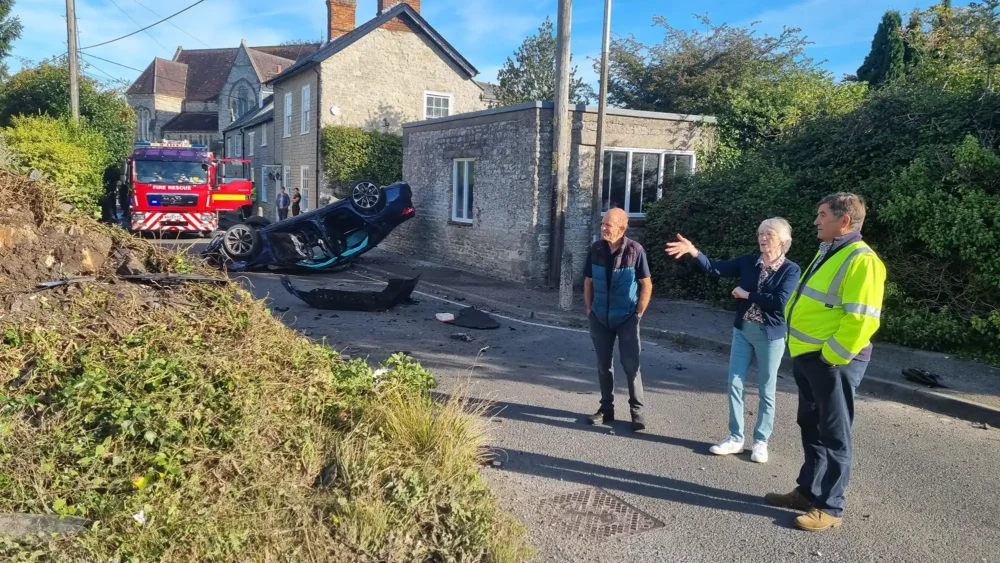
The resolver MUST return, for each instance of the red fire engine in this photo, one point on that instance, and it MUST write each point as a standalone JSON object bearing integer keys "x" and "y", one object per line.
{"x": 177, "y": 186}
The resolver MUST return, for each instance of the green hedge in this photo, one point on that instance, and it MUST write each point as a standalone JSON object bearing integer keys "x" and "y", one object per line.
{"x": 927, "y": 162}
{"x": 71, "y": 156}
{"x": 351, "y": 154}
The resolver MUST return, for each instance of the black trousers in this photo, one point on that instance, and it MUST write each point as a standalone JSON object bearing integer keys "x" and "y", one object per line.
{"x": 282, "y": 213}
{"x": 629, "y": 348}
{"x": 826, "y": 415}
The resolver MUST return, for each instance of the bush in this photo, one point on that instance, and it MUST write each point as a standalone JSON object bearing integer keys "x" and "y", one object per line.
{"x": 927, "y": 162}
{"x": 351, "y": 154}
{"x": 71, "y": 156}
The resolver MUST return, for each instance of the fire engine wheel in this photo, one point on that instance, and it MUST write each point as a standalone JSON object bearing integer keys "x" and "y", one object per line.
{"x": 241, "y": 241}
{"x": 366, "y": 197}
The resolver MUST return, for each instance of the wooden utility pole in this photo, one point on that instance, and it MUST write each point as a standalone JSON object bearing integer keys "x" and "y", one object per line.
{"x": 74, "y": 72}
{"x": 560, "y": 160}
{"x": 598, "y": 200}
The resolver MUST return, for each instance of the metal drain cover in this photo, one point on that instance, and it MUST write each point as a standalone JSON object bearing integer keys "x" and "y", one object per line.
{"x": 596, "y": 513}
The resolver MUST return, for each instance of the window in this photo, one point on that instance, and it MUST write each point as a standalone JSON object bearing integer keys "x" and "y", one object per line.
{"x": 304, "y": 188}
{"x": 306, "y": 104}
{"x": 250, "y": 141}
{"x": 634, "y": 178}
{"x": 229, "y": 147}
{"x": 239, "y": 145}
{"x": 463, "y": 179}
{"x": 436, "y": 105}
{"x": 143, "y": 124}
{"x": 263, "y": 135}
{"x": 286, "y": 178}
{"x": 241, "y": 100}
{"x": 288, "y": 114}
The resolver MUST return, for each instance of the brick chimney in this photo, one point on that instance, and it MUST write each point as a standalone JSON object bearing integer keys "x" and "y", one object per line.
{"x": 385, "y": 5}
{"x": 341, "y": 15}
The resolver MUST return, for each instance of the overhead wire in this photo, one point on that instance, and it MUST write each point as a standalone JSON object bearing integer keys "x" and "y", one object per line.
{"x": 145, "y": 28}
{"x": 127, "y": 15}
{"x": 181, "y": 29}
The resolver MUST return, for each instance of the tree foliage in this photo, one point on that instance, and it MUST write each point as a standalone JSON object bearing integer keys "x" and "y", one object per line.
{"x": 45, "y": 90}
{"x": 10, "y": 31}
{"x": 351, "y": 154}
{"x": 758, "y": 86}
{"x": 924, "y": 150}
{"x": 530, "y": 75}
{"x": 887, "y": 60}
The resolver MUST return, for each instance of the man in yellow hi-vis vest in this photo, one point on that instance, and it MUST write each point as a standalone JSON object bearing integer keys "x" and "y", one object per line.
{"x": 831, "y": 318}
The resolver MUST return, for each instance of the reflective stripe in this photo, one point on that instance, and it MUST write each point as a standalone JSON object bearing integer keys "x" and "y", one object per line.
{"x": 866, "y": 310}
{"x": 820, "y": 296}
{"x": 804, "y": 337}
{"x": 839, "y": 278}
{"x": 840, "y": 350}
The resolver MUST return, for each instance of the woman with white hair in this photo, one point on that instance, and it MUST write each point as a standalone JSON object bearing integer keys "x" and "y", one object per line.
{"x": 767, "y": 280}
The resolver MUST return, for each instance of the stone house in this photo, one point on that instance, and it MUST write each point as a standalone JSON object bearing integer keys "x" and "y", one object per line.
{"x": 392, "y": 69}
{"x": 482, "y": 182}
{"x": 200, "y": 92}
{"x": 250, "y": 137}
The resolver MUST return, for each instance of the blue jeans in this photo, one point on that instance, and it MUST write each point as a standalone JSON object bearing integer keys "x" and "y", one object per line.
{"x": 826, "y": 414}
{"x": 748, "y": 342}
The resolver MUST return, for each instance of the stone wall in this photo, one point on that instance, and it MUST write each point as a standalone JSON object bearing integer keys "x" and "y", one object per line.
{"x": 508, "y": 227}
{"x": 162, "y": 109}
{"x": 509, "y": 238}
{"x": 241, "y": 73}
{"x": 383, "y": 77}
{"x": 297, "y": 149}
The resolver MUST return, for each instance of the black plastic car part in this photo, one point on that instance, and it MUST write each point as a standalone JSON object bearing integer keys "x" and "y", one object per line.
{"x": 396, "y": 291}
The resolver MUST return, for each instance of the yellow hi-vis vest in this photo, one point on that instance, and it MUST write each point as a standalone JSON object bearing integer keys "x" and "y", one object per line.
{"x": 837, "y": 308}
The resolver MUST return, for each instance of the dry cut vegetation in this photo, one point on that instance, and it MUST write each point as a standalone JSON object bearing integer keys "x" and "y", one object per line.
{"x": 188, "y": 424}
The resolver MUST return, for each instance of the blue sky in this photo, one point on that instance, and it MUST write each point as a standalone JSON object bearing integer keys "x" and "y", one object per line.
{"x": 485, "y": 31}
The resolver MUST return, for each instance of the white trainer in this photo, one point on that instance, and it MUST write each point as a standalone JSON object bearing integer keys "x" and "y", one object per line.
{"x": 759, "y": 454}
{"x": 728, "y": 446}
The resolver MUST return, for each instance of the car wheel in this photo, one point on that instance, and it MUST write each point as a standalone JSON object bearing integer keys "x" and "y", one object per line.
{"x": 241, "y": 241}
{"x": 366, "y": 197}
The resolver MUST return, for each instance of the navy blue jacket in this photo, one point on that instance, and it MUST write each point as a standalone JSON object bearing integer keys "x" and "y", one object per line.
{"x": 771, "y": 296}
{"x": 616, "y": 280}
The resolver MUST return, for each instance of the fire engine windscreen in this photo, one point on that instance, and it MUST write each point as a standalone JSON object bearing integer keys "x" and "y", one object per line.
{"x": 159, "y": 172}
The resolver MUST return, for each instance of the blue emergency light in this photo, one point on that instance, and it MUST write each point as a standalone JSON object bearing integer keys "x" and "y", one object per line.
{"x": 199, "y": 146}
{"x": 154, "y": 200}
{"x": 143, "y": 144}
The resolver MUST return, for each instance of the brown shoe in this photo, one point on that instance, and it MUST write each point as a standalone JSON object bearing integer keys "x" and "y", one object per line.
{"x": 794, "y": 500}
{"x": 816, "y": 521}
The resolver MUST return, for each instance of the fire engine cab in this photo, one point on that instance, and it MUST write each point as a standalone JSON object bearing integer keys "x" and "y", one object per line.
{"x": 177, "y": 186}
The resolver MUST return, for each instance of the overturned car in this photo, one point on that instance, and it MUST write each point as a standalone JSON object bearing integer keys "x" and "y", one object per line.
{"x": 327, "y": 237}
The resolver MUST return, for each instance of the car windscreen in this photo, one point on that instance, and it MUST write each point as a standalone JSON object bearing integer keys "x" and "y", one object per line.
{"x": 159, "y": 172}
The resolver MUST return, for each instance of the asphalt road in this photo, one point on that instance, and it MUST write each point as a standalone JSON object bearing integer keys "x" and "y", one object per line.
{"x": 925, "y": 488}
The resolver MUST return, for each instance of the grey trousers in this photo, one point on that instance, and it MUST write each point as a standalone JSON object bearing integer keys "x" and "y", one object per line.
{"x": 629, "y": 348}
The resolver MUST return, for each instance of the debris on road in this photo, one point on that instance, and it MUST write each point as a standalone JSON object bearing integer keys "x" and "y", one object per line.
{"x": 282, "y": 309}
{"x": 469, "y": 317}
{"x": 923, "y": 377}
{"x": 462, "y": 336}
{"x": 396, "y": 292}
{"x": 981, "y": 425}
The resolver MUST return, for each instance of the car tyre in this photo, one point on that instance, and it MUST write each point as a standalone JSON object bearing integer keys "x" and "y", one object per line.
{"x": 241, "y": 241}
{"x": 367, "y": 198}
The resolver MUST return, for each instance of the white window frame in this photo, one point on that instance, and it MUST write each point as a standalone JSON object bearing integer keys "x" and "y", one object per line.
{"x": 251, "y": 137}
{"x": 663, "y": 153}
{"x": 263, "y": 184}
{"x": 286, "y": 173}
{"x": 451, "y": 102}
{"x": 263, "y": 135}
{"x": 304, "y": 188}
{"x": 288, "y": 114}
{"x": 239, "y": 146}
{"x": 229, "y": 147}
{"x": 465, "y": 190}
{"x": 306, "y": 107}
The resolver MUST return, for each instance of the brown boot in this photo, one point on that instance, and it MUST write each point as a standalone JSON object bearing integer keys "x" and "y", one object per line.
{"x": 816, "y": 521}
{"x": 794, "y": 500}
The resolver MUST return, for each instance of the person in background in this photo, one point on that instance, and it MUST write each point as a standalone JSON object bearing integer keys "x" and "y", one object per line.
{"x": 296, "y": 202}
{"x": 282, "y": 204}
{"x": 766, "y": 283}
{"x": 617, "y": 289}
{"x": 832, "y": 316}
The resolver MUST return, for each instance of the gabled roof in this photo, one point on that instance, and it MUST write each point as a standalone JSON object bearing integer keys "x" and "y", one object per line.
{"x": 267, "y": 66}
{"x": 199, "y": 74}
{"x": 260, "y": 115}
{"x": 402, "y": 10}
{"x": 194, "y": 121}
{"x": 490, "y": 91}
{"x": 162, "y": 77}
